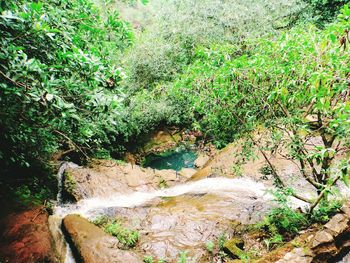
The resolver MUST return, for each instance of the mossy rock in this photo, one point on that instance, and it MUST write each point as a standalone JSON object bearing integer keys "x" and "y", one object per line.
{"x": 234, "y": 248}
{"x": 70, "y": 187}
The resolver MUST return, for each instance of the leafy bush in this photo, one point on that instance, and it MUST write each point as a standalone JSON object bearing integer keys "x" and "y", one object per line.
{"x": 325, "y": 211}
{"x": 286, "y": 220}
{"x": 148, "y": 259}
{"x": 325, "y": 11}
{"x": 31, "y": 193}
{"x": 182, "y": 257}
{"x": 228, "y": 87}
{"x": 101, "y": 221}
{"x": 58, "y": 89}
{"x": 126, "y": 236}
{"x": 210, "y": 246}
{"x": 172, "y": 29}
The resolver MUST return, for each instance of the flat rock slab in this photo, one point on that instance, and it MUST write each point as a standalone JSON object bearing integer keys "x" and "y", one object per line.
{"x": 90, "y": 244}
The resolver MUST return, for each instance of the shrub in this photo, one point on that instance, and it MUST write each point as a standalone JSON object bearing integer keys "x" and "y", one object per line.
{"x": 172, "y": 30}
{"x": 57, "y": 86}
{"x": 325, "y": 210}
{"x": 325, "y": 11}
{"x": 126, "y": 236}
{"x": 148, "y": 259}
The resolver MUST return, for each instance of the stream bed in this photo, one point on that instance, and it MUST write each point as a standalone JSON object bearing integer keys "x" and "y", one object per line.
{"x": 179, "y": 218}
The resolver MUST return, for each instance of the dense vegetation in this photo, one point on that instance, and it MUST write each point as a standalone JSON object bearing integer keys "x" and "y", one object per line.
{"x": 58, "y": 89}
{"x": 85, "y": 82}
{"x": 82, "y": 79}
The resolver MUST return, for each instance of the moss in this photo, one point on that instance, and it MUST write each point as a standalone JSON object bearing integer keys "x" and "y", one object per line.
{"x": 234, "y": 248}
{"x": 70, "y": 186}
{"x": 69, "y": 182}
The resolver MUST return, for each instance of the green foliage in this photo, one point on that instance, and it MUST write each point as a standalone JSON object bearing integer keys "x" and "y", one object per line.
{"x": 326, "y": 209}
{"x": 126, "y": 236}
{"x": 32, "y": 193}
{"x": 148, "y": 259}
{"x": 210, "y": 246}
{"x": 221, "y": 241}
{"x": 58, "y": 88}
{"x": 324, "y": 11}
{"x": 70, "y": 183}
{"x": 295, "y": 86}
{"x": 283, "y": 223}
{"x": 172, "y": 29}
{"x": 182, "y": 257}
{"x": 286, "y": 220}
{"x": 101, "y": 221}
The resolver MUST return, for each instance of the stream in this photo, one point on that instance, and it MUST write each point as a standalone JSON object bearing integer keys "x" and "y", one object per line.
{"x": 171, "y": 217}
{"x": 181, "y": 217}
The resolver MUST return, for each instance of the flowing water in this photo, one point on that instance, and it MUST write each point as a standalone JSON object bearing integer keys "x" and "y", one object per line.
{"x": 233, "y": 188}
{"x": 214, "y": 195}
{"x": 173, "y": 216}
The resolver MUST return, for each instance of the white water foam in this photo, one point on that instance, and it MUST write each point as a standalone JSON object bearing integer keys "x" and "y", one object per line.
{"x": 235, "y": 188}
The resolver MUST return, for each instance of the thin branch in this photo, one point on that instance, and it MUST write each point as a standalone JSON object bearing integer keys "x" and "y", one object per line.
{"x": 19, "y": 84}
{"x": 75, "y": 145}
{"x": 274, "y": 172}
{"x": 320, "y": 196}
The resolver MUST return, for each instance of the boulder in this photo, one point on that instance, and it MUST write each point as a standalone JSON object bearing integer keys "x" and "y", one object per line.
{"x": 346, "y": 209}
{"x": 59, "y": 241}
{"x": 90, "y": 244}
{"x": 70, "y": 187}
{"x": 297, "y": 255}
{"x": 167, "y": 174}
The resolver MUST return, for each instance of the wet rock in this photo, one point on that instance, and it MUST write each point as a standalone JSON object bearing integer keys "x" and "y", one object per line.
{"x": 297, "y": 255}
{"x": 25, "y": 237}
{"x": 104, "y": 178}
{"x": 187, "y": 172}
{"x": 186, "y": 223}
{"x": 338, "y": 224}
{"x": 161, "y": 141}
{"x": 321, "y": 237}
{"x": 234, "y": 247}
{"x": 167, "y": 175}
{"x": 92, "y": 245}
{"x": 59, "y": 241}
{"x": 201, "y": 160}
{"x": 139, "y": 176}
{"x": 346, "y": 209}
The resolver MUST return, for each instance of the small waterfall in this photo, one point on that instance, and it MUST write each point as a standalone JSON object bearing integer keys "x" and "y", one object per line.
{"x": 242, "y": 190}
{"x": 69, "y": 255}
{"x": 236, "y": 188}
